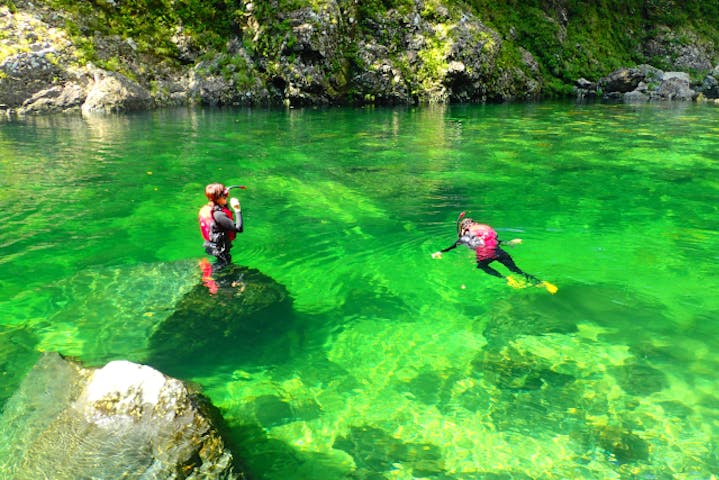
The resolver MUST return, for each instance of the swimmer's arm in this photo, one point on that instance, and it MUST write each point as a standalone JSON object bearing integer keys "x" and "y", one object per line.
{"x": 439, "y": 253}
{"x": 239, "y": 224}
{"x": 452, "y": 247}
{"x": 226, "y": 222}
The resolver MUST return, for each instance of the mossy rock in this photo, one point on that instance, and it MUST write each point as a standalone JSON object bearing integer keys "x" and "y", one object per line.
{"x": 247, "y": 317}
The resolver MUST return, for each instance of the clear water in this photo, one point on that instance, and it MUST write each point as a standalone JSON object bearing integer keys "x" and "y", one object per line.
{"x": 388, "y": 363}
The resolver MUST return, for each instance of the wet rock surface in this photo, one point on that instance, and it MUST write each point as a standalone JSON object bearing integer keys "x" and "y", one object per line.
{"x": 124, "y": 420}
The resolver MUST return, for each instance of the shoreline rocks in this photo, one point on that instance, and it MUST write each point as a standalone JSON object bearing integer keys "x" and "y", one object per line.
{"x": 123, "y": 420}
{"x": 323, "y": 55}
{"x": 646, "y": 83}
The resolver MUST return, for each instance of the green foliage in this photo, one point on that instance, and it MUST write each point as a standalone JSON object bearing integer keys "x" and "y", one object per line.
{"x": 275, "y": 29}
{"x": 576, "y": 38}
{"x": 433, "y": 64}
{"x": 372, "y": 12}
{"x": 375, "y": 8}
{"x": 150, "y": 23}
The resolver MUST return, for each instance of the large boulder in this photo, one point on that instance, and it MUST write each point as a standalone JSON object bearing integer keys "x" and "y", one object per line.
{"x": 26, "y": 73}
{"x": 32, "y": 56}
{"x": 437, "y": 55}
{"x": 58, "y": 98}
{"x": 676, "y": 86}
{"x": 621, "y": 80}
{"x": 646, "y": 83}
{"x": 113, "y": 92}
{"x": 710, "y": 87}
{"x": 307, "y": 67}
{"x": 474, "y": 71}
{"x": 381, "y": 78}
{"x": 123, "y": 420}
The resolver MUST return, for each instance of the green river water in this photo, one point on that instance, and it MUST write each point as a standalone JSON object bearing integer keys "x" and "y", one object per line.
{"x": 391, "y": 364}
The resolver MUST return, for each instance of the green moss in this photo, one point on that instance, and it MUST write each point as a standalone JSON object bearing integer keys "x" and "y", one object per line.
{"x": 368, "y": 9}
{"x": 150, "y": 23}
{"x": 274, "y": 32}
{"x": 590, "y": 39}
{"x": 434, "y": 63}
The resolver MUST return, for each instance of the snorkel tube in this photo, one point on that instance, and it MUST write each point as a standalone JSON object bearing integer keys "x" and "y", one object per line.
{"x": 459, "y": 220}
{"x": 227, "y": 189}
{"x": 234, "y": 203}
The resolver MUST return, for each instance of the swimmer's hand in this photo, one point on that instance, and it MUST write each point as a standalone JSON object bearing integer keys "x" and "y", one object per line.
{"x": 514, "y": 241}
{"x": 235, "y": 204}
{"x": 437, "y": 255}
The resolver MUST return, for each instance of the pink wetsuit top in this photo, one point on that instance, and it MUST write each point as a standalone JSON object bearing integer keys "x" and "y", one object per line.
{"x": 489, "y": 240}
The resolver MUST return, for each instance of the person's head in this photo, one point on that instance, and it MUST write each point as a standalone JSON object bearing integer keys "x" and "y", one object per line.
{"x": 464, "y": 225}
{"x": 215, "y": 192}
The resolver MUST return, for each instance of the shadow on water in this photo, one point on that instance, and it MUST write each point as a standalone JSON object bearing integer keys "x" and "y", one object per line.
{"x": 238, "y": 316}
{"x": 272, "y": 458}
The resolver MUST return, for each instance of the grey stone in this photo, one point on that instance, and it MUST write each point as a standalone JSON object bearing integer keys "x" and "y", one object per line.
{"x": 113, "y": 92}
{"x": 710, "y": 87}
{"x": 636, "y": 96}
{"x": 676, "y": 88}
{"x": 123, "y": 420}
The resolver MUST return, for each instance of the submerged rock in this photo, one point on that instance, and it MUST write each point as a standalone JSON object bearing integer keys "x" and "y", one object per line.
{"x": 123, "y": 420}
{"x": 236, "y": 315}
{"x": 375, "y": 450}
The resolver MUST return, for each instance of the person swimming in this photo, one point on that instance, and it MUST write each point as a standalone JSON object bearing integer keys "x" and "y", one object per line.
{"x": 484, "y": 240}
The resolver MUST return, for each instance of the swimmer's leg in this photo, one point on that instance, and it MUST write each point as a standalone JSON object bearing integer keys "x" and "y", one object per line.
{"x": 484, "y": 266}
{"x": 223, "y": 260}
{"x": 505, "y": 259}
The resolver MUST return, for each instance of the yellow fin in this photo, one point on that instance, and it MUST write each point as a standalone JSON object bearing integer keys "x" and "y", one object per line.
{"x": 514, "y": 283}
{"x": 551, "y": 288}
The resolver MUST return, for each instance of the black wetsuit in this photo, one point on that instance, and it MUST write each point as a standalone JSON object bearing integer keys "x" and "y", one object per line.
{"x": 220, "y": 242}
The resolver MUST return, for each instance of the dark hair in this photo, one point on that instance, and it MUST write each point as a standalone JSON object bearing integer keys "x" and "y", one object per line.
{"x": 214, "y": 192}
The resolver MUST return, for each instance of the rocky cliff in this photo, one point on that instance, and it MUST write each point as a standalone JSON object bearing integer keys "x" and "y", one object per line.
{"x": 124, "y": 55}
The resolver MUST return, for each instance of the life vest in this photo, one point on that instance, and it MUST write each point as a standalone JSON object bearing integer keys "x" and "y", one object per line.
{"x": 483, "y": 239}
{"x": 207, "y": 221}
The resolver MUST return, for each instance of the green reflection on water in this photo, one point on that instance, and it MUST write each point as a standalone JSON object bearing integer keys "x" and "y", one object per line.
{"x": 390, "y": 364}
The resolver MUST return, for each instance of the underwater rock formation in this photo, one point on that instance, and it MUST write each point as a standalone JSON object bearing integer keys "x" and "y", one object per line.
{"x": 235, "y": 315}
{"x": 123, "y": 420}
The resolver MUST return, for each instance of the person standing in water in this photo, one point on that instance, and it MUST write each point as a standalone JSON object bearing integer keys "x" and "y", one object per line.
{"x": 218, "y": 225}
{"x": 484, "y": 241}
